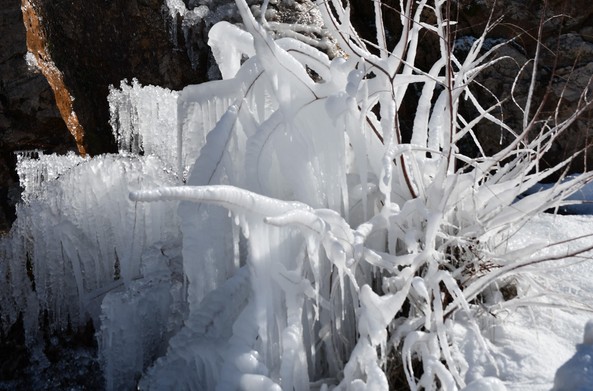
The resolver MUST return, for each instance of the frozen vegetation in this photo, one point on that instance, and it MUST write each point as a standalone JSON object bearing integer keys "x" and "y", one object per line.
{"x": 273, "y": 230}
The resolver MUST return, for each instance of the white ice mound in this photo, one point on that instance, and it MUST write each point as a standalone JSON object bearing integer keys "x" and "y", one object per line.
{"x": 577, "y": 373}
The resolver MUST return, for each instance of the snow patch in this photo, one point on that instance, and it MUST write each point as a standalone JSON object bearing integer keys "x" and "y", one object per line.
{"x": 31, "y": 61}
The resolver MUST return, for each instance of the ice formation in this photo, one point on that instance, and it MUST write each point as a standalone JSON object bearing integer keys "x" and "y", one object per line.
{"x": 79, "y": 244}
{"x": 282, "y": 121}
{"x": 279, "y": 233}
{"x": 144, "y": 119}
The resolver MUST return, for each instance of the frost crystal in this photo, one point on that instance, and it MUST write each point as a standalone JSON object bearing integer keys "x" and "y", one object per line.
{"x": 31, "y": 62}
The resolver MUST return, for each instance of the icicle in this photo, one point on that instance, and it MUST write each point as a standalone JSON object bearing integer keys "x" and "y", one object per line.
{"x": 176, "y": 9}
{"x": 145, "y": 119}
{"x": 76, "y": 234}
{"x": 388, "y": 125}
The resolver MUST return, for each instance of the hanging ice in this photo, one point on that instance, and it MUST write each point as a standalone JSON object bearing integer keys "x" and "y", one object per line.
{"x": 144, "y": 120}
{"x": 81, "y": 243}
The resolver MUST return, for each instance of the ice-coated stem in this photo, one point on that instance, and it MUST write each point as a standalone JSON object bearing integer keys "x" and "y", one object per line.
{"x": 230, "y": 197}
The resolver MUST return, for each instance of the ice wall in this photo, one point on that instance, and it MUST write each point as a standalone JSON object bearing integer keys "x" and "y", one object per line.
{"x": 77, "y": 235}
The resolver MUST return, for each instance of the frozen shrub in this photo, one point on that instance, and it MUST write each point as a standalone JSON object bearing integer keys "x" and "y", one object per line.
{"x": 357, "y": 243}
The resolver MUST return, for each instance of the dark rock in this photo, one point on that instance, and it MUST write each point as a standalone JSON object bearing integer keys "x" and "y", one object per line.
{"x": 29, "y": 118}
{"x": 96, "y": 44}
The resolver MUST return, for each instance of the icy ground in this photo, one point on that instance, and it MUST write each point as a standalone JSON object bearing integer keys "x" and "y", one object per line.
{"x": 533, "y": 336}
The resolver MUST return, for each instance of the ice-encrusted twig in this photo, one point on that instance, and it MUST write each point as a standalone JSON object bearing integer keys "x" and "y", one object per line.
{"x": 231, "y": 197}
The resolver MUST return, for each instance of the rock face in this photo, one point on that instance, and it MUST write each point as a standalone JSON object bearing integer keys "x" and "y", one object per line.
{"x": 97, "y": 44}
{"x": 29, "y": 117}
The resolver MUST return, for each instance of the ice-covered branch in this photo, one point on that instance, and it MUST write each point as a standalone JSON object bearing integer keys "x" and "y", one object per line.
{"x": 230, "y": 197}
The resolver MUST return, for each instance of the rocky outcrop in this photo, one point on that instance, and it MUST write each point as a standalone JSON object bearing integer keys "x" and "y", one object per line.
{"x": 38, "y": 54}
{"x": 29, "y": 117}
{"x": 97, "y": 44}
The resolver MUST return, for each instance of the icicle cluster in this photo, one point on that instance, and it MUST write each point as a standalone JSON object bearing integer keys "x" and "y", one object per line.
{"x": 35, "y": 168}
{"x": 144, "y": 119}
{"x": 80, "y": 236}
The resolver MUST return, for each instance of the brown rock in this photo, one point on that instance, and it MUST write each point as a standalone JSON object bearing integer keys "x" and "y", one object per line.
{"x": 37, "y": 46}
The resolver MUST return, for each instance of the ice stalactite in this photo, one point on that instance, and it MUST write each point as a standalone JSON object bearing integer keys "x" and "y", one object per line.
{"x": 175, "y": 10}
